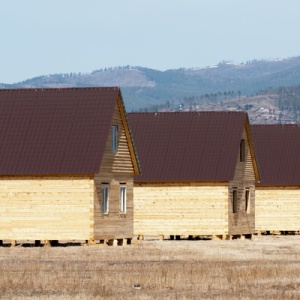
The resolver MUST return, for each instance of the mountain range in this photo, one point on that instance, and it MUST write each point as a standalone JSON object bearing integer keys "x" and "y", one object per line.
{"x": 143, "y": 87}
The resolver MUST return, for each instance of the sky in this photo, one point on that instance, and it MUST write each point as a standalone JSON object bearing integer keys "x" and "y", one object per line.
{"x": 63, "y": 36}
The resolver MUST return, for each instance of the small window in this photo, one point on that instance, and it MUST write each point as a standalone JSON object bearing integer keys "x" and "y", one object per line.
{"x": 247, "y": 200}
{"x": 123, "y": 199}
{"x": 114, "y": 144}
{"x": 105, "y": 198}
{"x": 234, "y": 201}
{"x": 242, "y": 150}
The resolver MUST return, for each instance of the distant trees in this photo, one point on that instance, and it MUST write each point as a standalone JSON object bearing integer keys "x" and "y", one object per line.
{"x": 288, "y": 101}
{"x": 191, "y": 102}
{"x": 289, "y": 98}
{"x": 210, "y": 97}
{"x": 127, "y": 67}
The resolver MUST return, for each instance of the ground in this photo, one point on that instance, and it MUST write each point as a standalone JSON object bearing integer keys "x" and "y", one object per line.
{"x": 266, "y": 268}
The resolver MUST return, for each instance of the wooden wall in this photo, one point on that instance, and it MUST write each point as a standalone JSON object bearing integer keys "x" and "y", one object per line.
{"x": 46, "y": 208}
{"x": 242, "y": 222}
{"x": 244, "y": 170}
{"x": 277, "y": 208}
{"x": 116, "y": 168}
{"x": 117, "y": 163}
{"x": 180, "y": 209}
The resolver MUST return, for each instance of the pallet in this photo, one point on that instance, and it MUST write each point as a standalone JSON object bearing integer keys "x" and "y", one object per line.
{"x": 276, "y": 232}
{"x": 65, "y": 243}
{"x": 223, "y": 237}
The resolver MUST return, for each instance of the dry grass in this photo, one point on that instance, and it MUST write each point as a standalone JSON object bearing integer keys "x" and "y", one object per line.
{"x": 267, "y": 268}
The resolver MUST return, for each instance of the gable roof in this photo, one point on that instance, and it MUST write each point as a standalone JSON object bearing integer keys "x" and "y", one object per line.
{"x": 54, "y": 131}
{"x": 278, "y": 153}
{"x": 187, "y": 146}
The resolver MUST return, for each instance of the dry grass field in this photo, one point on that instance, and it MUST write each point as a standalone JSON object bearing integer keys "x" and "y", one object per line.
{"x": 266, "y": 268}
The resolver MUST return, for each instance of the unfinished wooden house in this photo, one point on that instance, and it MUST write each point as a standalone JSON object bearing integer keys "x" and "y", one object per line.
{"x": 198, "y": 174}
{"x": 66, "y": 165}
{"x": 278, "y": 194}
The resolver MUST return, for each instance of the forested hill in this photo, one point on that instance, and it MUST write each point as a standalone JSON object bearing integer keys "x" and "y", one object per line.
{"x": 143, "y": 87}
{"x": 271, "y": 106}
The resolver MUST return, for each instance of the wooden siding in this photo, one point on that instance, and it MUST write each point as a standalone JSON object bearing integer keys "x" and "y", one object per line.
{"x": 46, "y": 208}
{"x": 116, "y": 168}
{"x": 114, "y": 224}
{"x": 277, "y": 208}
{"x": 242, "y": 222}
{"x": 120, "y": 162}
{"x": 180, "y": 209}
{"x": 244, "y": 170}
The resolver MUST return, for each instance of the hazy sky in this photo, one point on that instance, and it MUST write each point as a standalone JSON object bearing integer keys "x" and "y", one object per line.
{"x": 41, "y": 37}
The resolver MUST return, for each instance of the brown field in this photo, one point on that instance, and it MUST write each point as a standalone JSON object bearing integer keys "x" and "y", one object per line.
{"x": 266, "y": 268}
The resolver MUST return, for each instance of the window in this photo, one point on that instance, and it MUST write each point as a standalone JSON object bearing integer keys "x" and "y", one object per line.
{"x": 247, "y": 200}
{"x": 104, "y": 205}
{"x": 114, "y": 142}
{"x": 242, "y": 150}
{"x": 234, "y": 201}
{"x": 123, "y": 199}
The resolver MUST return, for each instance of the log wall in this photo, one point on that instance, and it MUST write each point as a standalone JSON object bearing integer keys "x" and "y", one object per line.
{"x": 46, "y": 208}
{"x": 180, "y": 209}
{"x": 278, "y": 208}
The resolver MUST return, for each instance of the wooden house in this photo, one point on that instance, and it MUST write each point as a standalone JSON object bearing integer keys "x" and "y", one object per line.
{"x": 66, "y": 165}
{"x": 278, "y": 193}
{"x": 198, "y": 174}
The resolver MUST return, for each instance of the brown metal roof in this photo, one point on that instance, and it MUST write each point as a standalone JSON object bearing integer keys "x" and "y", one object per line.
{"x": 278, "y": 153}
{"x": 187, "y": 146}
{"x": 54, "y": 131}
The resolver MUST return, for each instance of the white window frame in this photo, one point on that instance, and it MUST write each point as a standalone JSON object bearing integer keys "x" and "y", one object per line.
{"x": 105, "y": 198}
{"x": 123, "y": 199}
{"x": 114, "y": 138}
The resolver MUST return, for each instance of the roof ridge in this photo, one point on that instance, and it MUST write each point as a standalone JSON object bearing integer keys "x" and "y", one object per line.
{"x": 189, "y": 112}
{"x": 61, "y": 88}
{"x": 275, "y": 125}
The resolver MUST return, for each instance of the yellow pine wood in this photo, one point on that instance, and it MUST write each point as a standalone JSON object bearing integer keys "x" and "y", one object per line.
{"x": 179, "y": 210}
{"x": 50, "y": 208}
{"x": 277, "y": 208}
